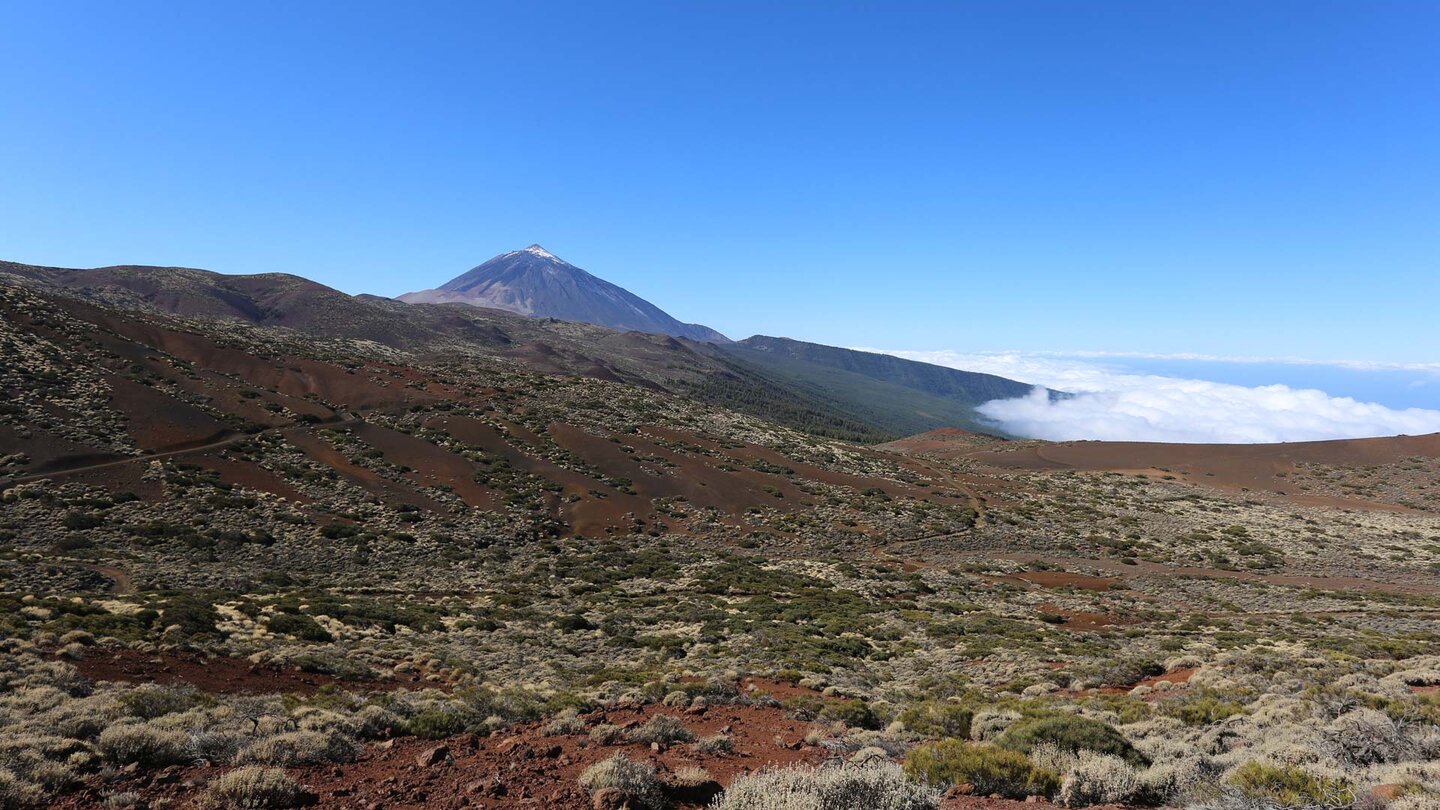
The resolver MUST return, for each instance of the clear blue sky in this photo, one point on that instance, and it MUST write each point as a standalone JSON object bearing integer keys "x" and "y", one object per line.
{"x": 1258, "y": 178}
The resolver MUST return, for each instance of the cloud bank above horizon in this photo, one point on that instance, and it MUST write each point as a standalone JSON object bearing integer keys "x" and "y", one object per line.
{"x": 1119, "y": 405}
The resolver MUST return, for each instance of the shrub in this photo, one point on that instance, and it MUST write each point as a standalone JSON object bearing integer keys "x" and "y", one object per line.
{"x": 990, "y": 723}
{"x": 989, "y": 769}
{"x": 853, "y": 713}
{"x": 662, "y": 728}
{"x": 1368, "y": 737}
{"x": 373, "y": 721}
{"x": 150, "y": 701}
{"x": 79, "y": 521}
{"x": 1201, "y": 710}
{"x": 691, "y": 776}
{"x": 298, "y": 625}
{"x": 251, "y": 787}
{"x": 607, "y": 734}
{"x": 438, "y": 722}
{"x": 1289, "y": 786}
{"x": 144, "y": 745}
{"x": 17, "y": 793}
{"x": 636, "y": 779}
{"x": 876, "y": 785}
{"x": 715, "y": 745}
{"x": 217, "y": 744}
{"x": 298, "y": 748}
{"x": 1100, "y": 779}
{"x": 935, "y": 718}
{"x": 565, "y": 723}
{"x": 1071, "y": 734}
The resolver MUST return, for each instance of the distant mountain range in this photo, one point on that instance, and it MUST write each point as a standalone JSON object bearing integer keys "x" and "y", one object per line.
{"x": 538, "y": 283}
{"x": 830, "y": 391}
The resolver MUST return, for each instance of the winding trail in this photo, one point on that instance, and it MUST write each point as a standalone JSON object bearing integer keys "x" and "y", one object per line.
{"x": 183, "y": 451}
{"x": 121, "y": 583}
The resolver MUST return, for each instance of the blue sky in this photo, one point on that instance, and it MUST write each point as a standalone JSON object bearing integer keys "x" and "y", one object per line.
{"x": 1226, "y": 178}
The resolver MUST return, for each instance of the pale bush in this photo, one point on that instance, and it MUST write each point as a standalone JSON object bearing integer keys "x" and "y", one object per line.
{"x": 72, "y": 652}
{"x": 216, "y": 744}
{"x": 564, "y": 724}
{"x": 1100, "y": 779}
{"x": 1419, "y": 800}
{"x": 636, "y": 779}
{"x": 372, "y": 722}
{"x": 873, "y": 785}
{"x": 77, "y": 637}
{"x": 1183, "y": 661}
{"x": 260, "y": 788}
{"x": 82, "y": 718}
{"x": 715, "y": 745}
{"x": 662, "y": 728}
{"x": 18, "y": 794}
{"x": 1367, "y": 737}
{"x": 151, "y": 701}
{"x": 691, "y": 776}
{"x": 607, "y": 734}
{"x": 52, "y": 775}
{"x": 145, "y": 745}
{"x": 988, "y": 724}
{"x": 298, "y": 748}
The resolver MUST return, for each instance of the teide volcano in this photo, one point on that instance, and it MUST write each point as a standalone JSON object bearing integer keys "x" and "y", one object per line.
{"x": 538, "y": 283}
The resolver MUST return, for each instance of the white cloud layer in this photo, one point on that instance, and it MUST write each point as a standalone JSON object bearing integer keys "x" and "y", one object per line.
{"x": 1124, "y": 406}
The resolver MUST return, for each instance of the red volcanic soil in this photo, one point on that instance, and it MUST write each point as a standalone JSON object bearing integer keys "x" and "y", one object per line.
{"x": 518, "y": 767}
{"x": 748, "y": 453}
{"x": 1259, "y": 467}
{"x": 590, "y": 515}
{"x": 942, "y": 440}
{"x": 245, "y": 474}
{"x": 1175, "y": 676}
{"x": 1140, "y": 568}
{"x": 430, "y": 464}
{"x": 221, "y": 676}
{"x": 698, "y": 478}
{"x": 158, "y": 421}
{"x": 1062, "y": 579}
{"x": 291, "y": 376}
{"x": 391, "y": 492}
{"x": 1085, "y": 621}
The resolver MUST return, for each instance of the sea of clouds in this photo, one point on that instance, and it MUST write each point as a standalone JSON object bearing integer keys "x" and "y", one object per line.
{"x": 1116, "y": 404}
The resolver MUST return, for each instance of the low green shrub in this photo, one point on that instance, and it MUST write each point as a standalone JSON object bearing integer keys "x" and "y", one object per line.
{"x": 1072, "y": 734}
{"x": 1289, "y": 786}
{"x": 988, "y": 768}
{"x": 298, "y": 625}
{"x": 938, "y": 718}
{"x": 853, "y": 713}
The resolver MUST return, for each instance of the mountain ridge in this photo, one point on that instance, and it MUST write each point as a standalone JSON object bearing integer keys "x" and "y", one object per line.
{"x": 829, "y": 398}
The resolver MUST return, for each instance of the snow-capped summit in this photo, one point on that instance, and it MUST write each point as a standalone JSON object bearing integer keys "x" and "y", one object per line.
{"x": 541, "y": 252}
{"x": 533, "y": 281}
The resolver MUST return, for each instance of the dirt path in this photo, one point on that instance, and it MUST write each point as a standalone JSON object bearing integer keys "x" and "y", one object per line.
{"x": 1143, "y": 568}
{"x": 121, "y": 583}
{"x": 976, "y": 502}
{"x": 226, "y": 442}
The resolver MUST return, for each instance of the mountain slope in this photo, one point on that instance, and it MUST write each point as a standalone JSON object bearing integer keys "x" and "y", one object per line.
{"x": 763, "y": 377}
{"x": 540, "y": 284}
{"x": 899, "y": 396}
